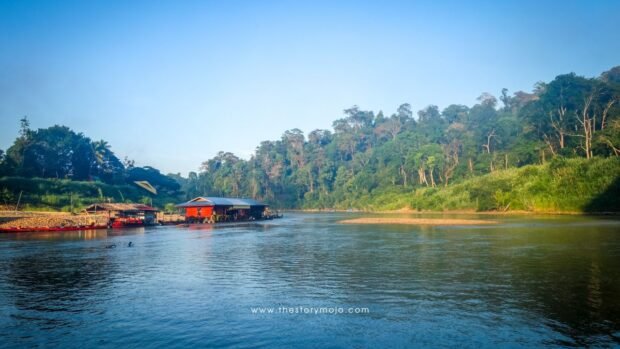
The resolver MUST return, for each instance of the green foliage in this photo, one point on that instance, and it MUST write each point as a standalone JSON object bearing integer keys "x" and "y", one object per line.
{"x": 54, "y": 152}
{"x": 372, "y": 161}
{"x": 564, "y": 185}
{"x": 57, "y": 194}
{"x": 49, "y": 164}
{"x": 163, "y": 184}
{"x": 170, "y": 208}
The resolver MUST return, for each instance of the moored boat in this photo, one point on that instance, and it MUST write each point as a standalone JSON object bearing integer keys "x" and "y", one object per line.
{"x": 117, "y": 223}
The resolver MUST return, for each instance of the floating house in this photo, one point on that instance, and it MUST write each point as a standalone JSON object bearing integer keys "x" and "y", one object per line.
{"x": 123, "y": 215}
{"x": 216, "y": 209}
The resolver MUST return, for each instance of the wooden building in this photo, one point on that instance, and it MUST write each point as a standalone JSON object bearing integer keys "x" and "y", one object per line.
{"x": 121, "y": 215}
{"x": 217, "y": 209}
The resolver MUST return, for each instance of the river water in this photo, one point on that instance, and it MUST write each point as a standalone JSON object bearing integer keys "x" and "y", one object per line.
{"x": 307, "y": 281}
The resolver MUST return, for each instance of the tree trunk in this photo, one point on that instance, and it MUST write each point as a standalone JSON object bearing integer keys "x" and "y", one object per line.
{"x": 605, "y": 112}
{"x": 612, "y": 146}
{"x": 549, "y": 144}
{"x": 490, "y": 136}
{"x": 254, "y": 189}
{"x": 422, "y": 176}
{"x": 449, "y": 171}
{"x": 558, "y": 125}
{"x": 587, "y": 123}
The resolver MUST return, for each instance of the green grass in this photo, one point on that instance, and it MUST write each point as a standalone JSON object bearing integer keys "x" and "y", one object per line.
{"x": 41, "y": 194}
{"x": 562, "y": 185}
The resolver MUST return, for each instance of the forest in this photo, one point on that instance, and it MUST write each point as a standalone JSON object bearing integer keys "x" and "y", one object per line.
{"x": 555, "y": 148}
{"x": 56, "y": 168}
{"x": 376, "y": 161}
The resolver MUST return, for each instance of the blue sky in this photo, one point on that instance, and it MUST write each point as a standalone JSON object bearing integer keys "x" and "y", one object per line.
{"x": 170, "y": 83}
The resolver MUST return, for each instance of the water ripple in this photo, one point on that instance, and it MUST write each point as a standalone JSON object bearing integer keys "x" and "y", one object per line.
{"x": 527, "y": 282}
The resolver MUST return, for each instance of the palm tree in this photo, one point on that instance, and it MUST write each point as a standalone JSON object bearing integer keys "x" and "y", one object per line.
{"x": 102, "y": 150}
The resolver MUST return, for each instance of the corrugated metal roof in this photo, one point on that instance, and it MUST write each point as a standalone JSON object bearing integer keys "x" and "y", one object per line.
{"x": 195, "y": 204}
{"x": 219, "y": 201}
{"x": 119, "y": 207}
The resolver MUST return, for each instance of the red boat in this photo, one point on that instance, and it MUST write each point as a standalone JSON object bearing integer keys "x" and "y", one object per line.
{"x": 128, "y": 222}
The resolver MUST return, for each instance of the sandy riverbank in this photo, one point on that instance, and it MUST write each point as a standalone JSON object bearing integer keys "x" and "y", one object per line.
{"x": 410, "y": 211}
{"x": 26, "y": 220}
{"x": 417, "y": 221}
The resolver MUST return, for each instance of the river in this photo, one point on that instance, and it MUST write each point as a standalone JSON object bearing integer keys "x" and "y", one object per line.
{"x": 307, "y": 281}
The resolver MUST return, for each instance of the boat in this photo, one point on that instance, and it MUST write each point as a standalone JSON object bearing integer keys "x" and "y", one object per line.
{"x": 129, "y": 222}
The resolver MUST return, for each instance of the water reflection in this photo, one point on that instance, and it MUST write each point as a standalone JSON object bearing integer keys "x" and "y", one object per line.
{"x": 64, "y": 235}
{"x": 527, "y": 282}
{"x": 49, "y": 288}
{"x": 94, "y": 234}
{"x": 570, "y": 277}
{"x": 564, "y": 277}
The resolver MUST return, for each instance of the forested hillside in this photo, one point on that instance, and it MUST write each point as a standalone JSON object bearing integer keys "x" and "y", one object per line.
{"x": 56, "y": 168}
{"x": 369, "y": 156}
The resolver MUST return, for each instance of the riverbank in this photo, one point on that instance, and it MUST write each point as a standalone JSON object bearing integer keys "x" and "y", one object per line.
{"x": 561, "y": 186}
{"x": 36, "y": 220}
{"x": 410, "y": 211}
{"x": 417, "y": 221}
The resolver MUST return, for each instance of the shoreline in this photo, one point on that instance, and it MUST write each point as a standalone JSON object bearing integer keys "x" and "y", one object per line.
{"x": 40, "y": 220}
{"x": 418, "y": 221}
{"x": 459, "y": 212}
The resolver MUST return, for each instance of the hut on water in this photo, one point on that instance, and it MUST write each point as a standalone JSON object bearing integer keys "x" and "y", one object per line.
{"x": 126, "y": 214}
{"x": 217, "y": 209}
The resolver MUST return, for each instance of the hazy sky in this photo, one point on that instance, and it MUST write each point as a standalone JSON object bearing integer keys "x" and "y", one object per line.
{"x": 170, "y": 83}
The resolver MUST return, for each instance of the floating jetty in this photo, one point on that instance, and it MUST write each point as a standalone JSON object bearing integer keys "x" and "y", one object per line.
{"x": 215, "y": 210}
{"x": 230, "y": 223}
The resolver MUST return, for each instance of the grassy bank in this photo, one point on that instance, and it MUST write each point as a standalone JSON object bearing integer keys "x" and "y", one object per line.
{"x": 39, "y": 194}
{"x": 562, "y": 185}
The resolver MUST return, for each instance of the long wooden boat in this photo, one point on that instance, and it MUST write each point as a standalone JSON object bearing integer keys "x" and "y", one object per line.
{"x": 126, "y": 223}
